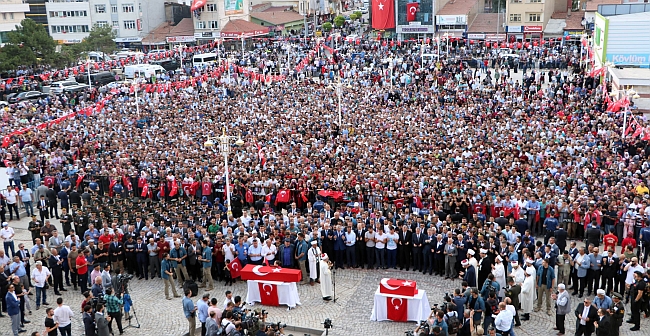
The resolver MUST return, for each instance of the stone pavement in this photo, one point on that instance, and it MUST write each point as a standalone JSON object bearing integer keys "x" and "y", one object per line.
{"x": 350, "y": 314}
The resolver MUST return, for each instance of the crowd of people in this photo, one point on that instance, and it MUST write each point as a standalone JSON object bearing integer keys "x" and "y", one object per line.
{"x": 451, "y": 167}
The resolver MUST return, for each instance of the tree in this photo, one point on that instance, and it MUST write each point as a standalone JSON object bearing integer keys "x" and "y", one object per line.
{"x": 101, "y": 38}
{"x": 339, "y": 21}
{"x": 358, "y": 14}
{"x": 29, "y": 44}
{"x": 353, "y": 16}
{"x": 327, "y": 26}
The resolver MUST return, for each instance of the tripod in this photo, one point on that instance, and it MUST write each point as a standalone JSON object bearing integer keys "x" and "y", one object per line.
{"x": 333, "y": 285}
{"x": 128, "y": 317}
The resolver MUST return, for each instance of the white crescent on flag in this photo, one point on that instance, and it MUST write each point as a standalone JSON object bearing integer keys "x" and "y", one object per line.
{"x": 413, "y": 10}
{"x": 397, "y": 307}
{"x": 256, "y": 270}
{"x": 384, "y": 282}
{"x": 271, "y": 290}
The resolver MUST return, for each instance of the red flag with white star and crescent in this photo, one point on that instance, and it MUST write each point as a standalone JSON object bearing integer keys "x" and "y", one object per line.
{"x": 383, "y": 14}
{"x": 397, "y": 309}
{"x": 269, "y": 294}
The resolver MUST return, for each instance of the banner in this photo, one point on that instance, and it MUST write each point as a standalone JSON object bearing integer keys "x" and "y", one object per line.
{"x": 383, "y": 14}
{"x": 411, "y": 11}
{"x": 233, "y": 7}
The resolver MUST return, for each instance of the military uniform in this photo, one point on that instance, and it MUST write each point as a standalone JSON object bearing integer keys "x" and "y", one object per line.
{"x": 513, "y": 293}
{"x": 617, "y": 314}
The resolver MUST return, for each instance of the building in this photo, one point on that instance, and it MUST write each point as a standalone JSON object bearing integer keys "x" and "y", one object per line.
{"x": 453, "y": 19}
{"x": 487, "y": 27}
{"x": 527, "y": 19}
{"x": 68, "y": 22}
{"x": 211, "y": 18}
{"x": 37, "y": 12}
{"x": 131, "y": 19}
{"x": 279, "y": 22}
{"x": 622, "y": 40}
{"x": 12, "y": 13}
{"x": 168, "y": 36}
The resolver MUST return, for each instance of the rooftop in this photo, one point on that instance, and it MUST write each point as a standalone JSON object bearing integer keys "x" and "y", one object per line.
{"x": 277, "y": 18}
{"x": 457, "y": 7}
{"x": 592, "y": 5}
{"x": 486, "y": 23}
{"x": 238, "y": 28}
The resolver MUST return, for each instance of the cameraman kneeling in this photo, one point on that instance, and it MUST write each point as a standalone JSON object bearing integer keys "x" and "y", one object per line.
{"x": 114, "y": 310}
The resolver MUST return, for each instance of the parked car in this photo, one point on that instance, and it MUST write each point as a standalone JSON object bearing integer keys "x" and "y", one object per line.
{"x": 28, "y": 95}
{"x": 363, "y": 10}
{"x": 97, "y": 79}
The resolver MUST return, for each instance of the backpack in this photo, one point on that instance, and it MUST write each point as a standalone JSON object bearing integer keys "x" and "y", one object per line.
{"x": 453, "y": 324}
{"x": 222, "y": 329}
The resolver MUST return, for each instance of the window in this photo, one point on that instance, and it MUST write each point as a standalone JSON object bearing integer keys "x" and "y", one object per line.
{"x": 4, "y": 16}
{"x": 70, "y": 29}
{"x": 211, "y": 7}
{"x": 535, "y": 17}
{"x": 113, "y": 8}
{"x": 129, "y": 24}
{"x": 127, "y": 8}
{"x": 116, "y": 24}
{"x": 100, "y": 8}
{"x": 11, "y": 16}
{"x": 213, "y": 24}
{"x": 102, "y": 23}
{"x": 68, "y": 13}
{"x": 139, "y": 7}
{"x": 515, "y": 17}
{"x": 200, "y": 25}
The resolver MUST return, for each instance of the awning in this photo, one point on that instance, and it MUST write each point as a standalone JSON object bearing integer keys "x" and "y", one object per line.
{"x": 242, "y": 28}
{"x": 555, "y": 27}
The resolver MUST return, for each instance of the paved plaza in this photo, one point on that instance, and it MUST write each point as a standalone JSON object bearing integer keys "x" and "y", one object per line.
{"x": 350, "y": 314}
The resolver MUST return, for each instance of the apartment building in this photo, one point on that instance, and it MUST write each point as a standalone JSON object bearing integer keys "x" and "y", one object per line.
{"x": 526, "y": 19}
{"x": 130, "y": 19}
{"x": 11, "y": 13}
{"x": 68, "y": 20}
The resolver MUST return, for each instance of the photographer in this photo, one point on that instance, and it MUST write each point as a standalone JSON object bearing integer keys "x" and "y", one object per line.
{"x": 228, "y": 322}
{"x": 114, "y": 310}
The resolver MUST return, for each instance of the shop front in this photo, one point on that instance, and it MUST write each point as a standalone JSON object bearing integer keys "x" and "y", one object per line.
{"x": 533, "y": 33}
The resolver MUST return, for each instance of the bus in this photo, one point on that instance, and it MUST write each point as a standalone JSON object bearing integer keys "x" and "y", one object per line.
{"x": 202, "y": 60}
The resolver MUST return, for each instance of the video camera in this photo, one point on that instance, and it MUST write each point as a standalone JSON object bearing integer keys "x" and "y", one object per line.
{"x": 250, "y": 320}
{"x": 123, "y": 283}
{"x": 423, "y": 330}
{"x": 97, "y": 300}
{"x": 443, "y": 307}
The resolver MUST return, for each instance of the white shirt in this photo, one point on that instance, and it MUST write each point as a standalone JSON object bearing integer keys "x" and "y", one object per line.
{"x": 380, "y": 237}
{"x": 585, "y": 315}
{"x": 229, "y": 252}
{"x": 40, "y": 276}
{"x": 11, "y": 196}
{"x": 266, "y": 250}
{"x": 629, "y": 279}
{"x": 503, "y": 322}
{"x": 63, "y": 315}
{"x": 6, "y": 233}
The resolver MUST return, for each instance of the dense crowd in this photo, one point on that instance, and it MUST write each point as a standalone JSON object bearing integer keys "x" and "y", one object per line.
{"x": 449, "y": 167}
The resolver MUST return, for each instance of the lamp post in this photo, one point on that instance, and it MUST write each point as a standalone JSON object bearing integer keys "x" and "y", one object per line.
{"x": 224, "y": 146}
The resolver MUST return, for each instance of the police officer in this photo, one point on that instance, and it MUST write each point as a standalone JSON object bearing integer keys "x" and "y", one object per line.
{"x": 617, "y": 313}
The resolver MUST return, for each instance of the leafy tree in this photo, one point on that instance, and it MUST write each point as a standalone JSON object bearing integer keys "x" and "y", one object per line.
{"x": 99, "y": 39}
{"x": 353, "y": 16}
{"x": 339, "y": 21}
{"x": 358, "y": 14}
{"x": 29, "y": 44}
{"x": 327, "y": 26}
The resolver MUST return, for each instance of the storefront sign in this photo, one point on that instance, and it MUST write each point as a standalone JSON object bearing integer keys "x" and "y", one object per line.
{"x": 495, "y": 37}
{"x": 514, "y": 29}
{"x": 204, "y": 35}
{"x": 127, "y": 39}
{"x": 533, "y": 29}
{"x": 629, "y": 59}
{"x": 475, "y": 36}
{"x": 180, "y": 39}
{"x": 451, "y": 19}
{"x": 415, "y": 29}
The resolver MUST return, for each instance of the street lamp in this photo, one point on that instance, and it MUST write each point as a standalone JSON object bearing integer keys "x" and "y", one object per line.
{"x": 224, "y": 144}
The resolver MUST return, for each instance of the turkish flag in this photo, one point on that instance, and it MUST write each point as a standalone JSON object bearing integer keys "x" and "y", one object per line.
{"x": 127, "y": 183}
{"x": 206, "y": 188}
{"x": 411, "y": 10}
{"x": 283, "y": 196}
{"x": 194, "y": 187}
{"x": 187, "y": 188}
{"x": 235, "y": 268}
{"x": 383, "y": 14}
{"x": 399, "y": 203}
{"x": 145, "y": 191}
{"x": 79, "y": 179}
{"x": 418, "y": 202}
{"x": 396, "y": 309}
{"x": 142, "y": 181}
{"x": 49, "y": 180}
{"x": 249, "y": 196}
{"x": 269, "y": 294}
{"x": 6, "y": 141}
{"x": 174, "y": 189}
{"x": 110, "y": 187}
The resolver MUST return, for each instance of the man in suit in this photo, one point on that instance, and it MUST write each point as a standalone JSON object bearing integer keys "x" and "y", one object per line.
{"x": 417, "y": 240}
{"x": 429, "y": 241}
{"x": 593, "y": 234}
{"x": 42, "y": 208}
{"x": 41, "y": 190}
{"x": 52, "y": 202}
{"x": 586, "y": 315}
{"x": 13, "y": 309}
{"x": 404, "y": 247}
{"x": 439, "y": 255}
{"x": 89, "y": 321}
{"x": 339, "y": 246}
{"x": 560, "y": 238}
{"x": 101, "y": 321}
{"x": 603, "y": 324}
{"x": 583, "y": 265}
{"x": 141, "y": 259}
{"x": 327, "y": 239}
{"x": 451, "y": 253}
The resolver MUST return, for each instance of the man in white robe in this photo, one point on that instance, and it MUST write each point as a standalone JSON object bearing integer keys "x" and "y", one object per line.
{"x": 473, "y": 262}
{"x": 326, "y": 278}
{"x": 517, "y": 272}
{"x": 499, "y": 275}
{"x": 528, "y": 293}
{"x": 313, "y": 255}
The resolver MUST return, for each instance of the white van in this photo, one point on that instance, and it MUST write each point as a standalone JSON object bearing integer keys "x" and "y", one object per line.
{"x": 202, "y": 60}
{"x": 142, "y": 71}
{"x": 69, "y": 85}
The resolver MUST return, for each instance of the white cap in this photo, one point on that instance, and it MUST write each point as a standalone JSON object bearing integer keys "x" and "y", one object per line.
{"x": 313, "y": 242}
{"x": 529, "y": 261}
{"x": 471, "y": 252}
{"x": 5, "y": 223}
{"x": 530, "y": 270}
{"x": 499, "y": 258}
{"x": 561, "y": 286}
{"x": 483, "y": 251}
{"x": 464, "y": 262}
{"x": 514, "y": 263}
{"x": 600, "y": 292}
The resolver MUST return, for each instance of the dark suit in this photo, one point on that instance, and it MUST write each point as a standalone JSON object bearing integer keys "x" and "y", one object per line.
{"x": 328, "y": 244}
{"x": 52, "y": 203}
{"x": 428, "y": 244}
{"x": 416, "y": 243}
{"x": 89, "y": 325}
{"x": 604, "y": 326}
{"x": 102, "y": 325}
{"x": 593, "y": 236}
{"x": 57, "y": 273}
{"x": 560, "y": 239}
{"x": 470, "y": 276}
{"x": 339, "y": 247}
{"x": 439, "y": 257}
{"x": 588, "y": 328}
{"x": 43, "y": 206}
{"x": 404, "y": 249}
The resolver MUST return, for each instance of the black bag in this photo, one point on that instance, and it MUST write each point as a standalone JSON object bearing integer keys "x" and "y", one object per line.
{"x": 191, "y": 285}
{"x": 453, "y": 324}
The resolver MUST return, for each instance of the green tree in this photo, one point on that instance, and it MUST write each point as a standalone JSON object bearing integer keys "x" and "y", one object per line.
{"x": 353, "y": 16}
{"x": 339, "y": 21}
{"x": 327, "y": 26}
{"x": 30, "y": 44}
{"x": 100, "y": 39}
{"x": 358, "y": 14}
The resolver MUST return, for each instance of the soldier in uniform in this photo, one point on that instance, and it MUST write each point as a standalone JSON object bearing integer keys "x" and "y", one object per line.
{"x": 617, "y": 314}
{"x": 66, "y": 221}
{"x": 512, "y": 292}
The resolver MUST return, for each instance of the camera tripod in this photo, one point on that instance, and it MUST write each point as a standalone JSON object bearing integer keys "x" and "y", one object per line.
{"x": 130, "y": 319}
